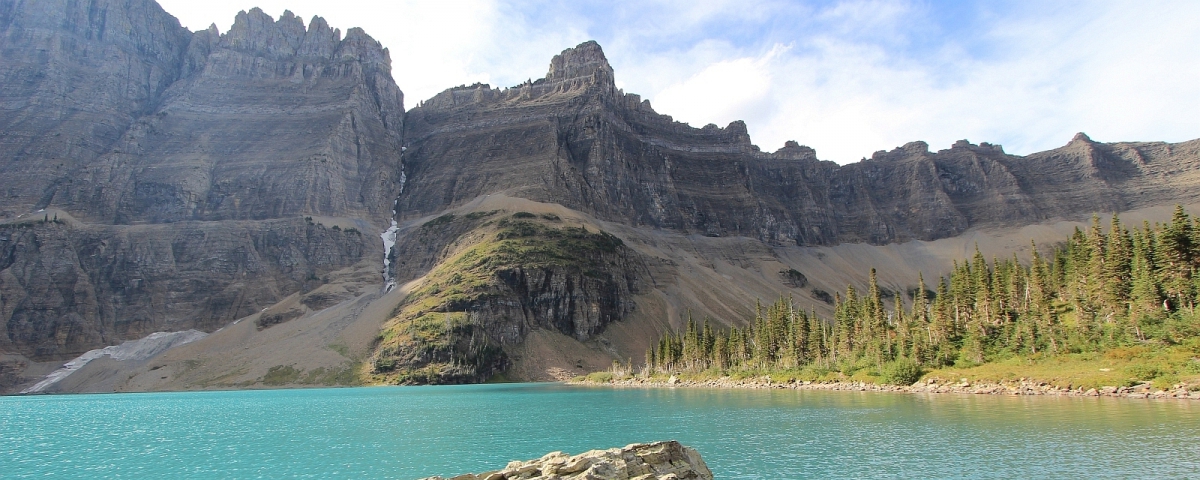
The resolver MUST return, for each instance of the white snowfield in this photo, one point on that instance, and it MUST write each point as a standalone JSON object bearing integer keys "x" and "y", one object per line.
{"x": 140, "y": 349}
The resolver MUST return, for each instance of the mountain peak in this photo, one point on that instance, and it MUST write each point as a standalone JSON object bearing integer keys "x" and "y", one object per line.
{"x": 586, "y": 59}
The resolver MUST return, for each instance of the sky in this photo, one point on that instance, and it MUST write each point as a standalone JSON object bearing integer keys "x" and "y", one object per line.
{"x": 847, "y": 78}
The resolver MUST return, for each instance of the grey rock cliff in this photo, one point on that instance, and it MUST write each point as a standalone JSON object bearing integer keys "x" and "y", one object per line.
{"x": 265, "y": 121}
{"x": 66, "y": 289}
{"x": 187, "y": 162}
{"x": 573, "y": 138}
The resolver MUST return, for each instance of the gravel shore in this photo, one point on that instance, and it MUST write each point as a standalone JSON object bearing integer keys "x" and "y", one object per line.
{"x": 932, "y": 385}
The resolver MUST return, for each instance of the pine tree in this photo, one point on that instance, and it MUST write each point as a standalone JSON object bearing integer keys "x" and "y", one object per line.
{"x": 720, "y": 355}
{"x": 874, "y": 332}
{"x": 708, "y": 341}
{"x": 1175, "y": 259}
{"x": 1117, "y": 270}
{"x": 818, "y": 346}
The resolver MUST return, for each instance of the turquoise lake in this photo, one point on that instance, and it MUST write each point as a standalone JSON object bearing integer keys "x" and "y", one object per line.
{"x": 410, "y": 432}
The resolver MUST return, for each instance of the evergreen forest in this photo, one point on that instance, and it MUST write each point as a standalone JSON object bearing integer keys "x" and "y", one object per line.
{"x": 1103, "y": 289}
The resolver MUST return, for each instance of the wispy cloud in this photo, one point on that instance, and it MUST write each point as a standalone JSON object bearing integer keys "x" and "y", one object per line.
{"x": 846, "y": 77}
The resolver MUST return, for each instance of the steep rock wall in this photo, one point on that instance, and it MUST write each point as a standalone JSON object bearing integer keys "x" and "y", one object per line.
{"x": 186, "y": 163}
{"x": 267, "y": 120}
{"x": 64, "y": 289}
{"x": 573, "y": 138}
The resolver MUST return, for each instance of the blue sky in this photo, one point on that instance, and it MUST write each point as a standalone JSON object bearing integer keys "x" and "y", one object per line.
{"x": 845, "y": 77}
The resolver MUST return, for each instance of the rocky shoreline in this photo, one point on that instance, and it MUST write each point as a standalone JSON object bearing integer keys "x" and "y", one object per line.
{"x": 1021, "y": 387}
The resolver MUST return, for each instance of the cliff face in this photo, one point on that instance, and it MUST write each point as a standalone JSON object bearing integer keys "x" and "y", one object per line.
{"x": 116, "y": 113}
{"x": 186, "y": 163}
{"x": 67, "y": 288}
{"x": 573, "y": 138}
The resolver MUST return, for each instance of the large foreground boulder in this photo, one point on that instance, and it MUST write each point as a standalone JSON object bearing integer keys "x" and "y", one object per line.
{"x": 639, "y": 461}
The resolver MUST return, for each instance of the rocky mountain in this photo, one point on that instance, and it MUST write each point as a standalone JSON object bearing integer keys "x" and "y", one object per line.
{"x": 157, "y": 179}
{"x": 573, "y": 138}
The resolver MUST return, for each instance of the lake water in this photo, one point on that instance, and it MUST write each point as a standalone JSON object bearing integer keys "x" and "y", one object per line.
{"x": 410, "y": 432}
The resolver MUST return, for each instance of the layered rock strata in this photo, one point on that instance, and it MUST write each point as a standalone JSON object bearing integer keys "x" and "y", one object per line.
{"x": 67, "y": 288}
{"x": 184, "y": 165}
{"x": 114, "y": 112}
{"x": 573, "y": 138}
{"x": 640, "y": 461}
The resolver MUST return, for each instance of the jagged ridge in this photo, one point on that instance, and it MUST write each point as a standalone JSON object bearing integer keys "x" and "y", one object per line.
{"x": 573, "y": 138}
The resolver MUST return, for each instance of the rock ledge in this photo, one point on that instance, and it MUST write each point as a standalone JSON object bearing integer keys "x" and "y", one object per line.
{"x": 638, "y": 461}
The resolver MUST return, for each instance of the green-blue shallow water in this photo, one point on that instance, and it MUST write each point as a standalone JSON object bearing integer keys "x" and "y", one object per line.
{"x": 410, "y": 432}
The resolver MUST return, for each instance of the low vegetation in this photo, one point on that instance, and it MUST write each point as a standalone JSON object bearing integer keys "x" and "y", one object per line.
{"x": 280, "y": 375}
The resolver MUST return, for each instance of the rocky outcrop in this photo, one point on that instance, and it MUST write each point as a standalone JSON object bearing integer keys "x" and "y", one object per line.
{"x": 497, "y": 278}
{"x": 573, "y": 138}
{"x": 640, "y": 461}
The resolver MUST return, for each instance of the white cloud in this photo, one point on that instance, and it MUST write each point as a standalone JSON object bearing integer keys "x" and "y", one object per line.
{"x": 1119, "y": 72}
{"x": 723, "y": 90}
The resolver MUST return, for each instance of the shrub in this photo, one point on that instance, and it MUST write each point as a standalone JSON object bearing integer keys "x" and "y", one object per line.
{"x": 439, "y": 221}
{"x": 479, "y": 215}
{"x": 901, "y": 371}
{"x": 794, "y": 278}
{"x": 281, "y": 375}
{"x": 1141, "y": 371}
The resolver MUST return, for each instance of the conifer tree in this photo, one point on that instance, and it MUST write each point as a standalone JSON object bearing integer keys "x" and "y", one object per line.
{"x": 1117, "y": 270}
{"x": 1176, "y": 254}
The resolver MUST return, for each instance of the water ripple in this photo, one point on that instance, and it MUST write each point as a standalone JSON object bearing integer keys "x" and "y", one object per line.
{"x": 408, "y": 432}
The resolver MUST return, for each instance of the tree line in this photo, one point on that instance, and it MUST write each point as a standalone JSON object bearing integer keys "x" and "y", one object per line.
{"x": 1097, "y": 290}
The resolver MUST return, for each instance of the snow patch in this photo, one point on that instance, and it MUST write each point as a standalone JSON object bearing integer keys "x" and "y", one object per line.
{"x": 140, "y": 349}
{"x": 389, "y": 241}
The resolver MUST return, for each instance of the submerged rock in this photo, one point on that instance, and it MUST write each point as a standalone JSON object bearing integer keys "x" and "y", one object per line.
{"x": 642, "y": 461}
